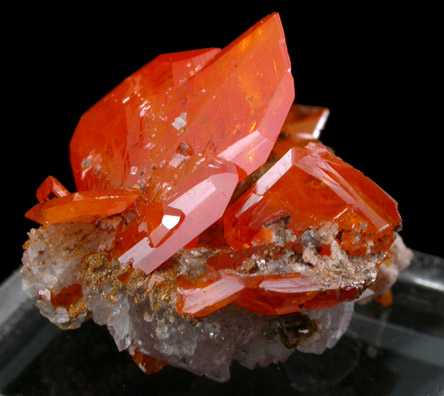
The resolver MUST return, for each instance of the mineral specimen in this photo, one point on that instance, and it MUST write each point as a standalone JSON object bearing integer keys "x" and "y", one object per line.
{"x": 209, "y": 219}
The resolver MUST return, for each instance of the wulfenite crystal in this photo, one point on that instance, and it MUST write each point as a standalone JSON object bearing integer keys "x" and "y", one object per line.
{"x": 173, "y": 120}
{"x": 209, "y": 219}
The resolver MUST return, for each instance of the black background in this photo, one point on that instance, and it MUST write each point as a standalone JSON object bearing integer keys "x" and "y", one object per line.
{"x": 375, "y": 68}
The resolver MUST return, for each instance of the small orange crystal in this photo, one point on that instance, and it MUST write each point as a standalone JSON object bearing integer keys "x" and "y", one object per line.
{"x": 147, "y": 364}
{"x": 206, "y": 294}
{"x": 386, "y": 300}
{"x": 302, "y": 126}
{"x": 83, "y": 207}
{"x": 51, "y": 188}
{"x": 67, "y": 297}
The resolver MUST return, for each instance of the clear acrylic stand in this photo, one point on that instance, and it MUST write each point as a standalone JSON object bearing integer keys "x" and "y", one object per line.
{"x": 397, "y": 350}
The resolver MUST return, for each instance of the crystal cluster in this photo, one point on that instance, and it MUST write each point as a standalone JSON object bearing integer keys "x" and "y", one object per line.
{"x": 210, "y": 223}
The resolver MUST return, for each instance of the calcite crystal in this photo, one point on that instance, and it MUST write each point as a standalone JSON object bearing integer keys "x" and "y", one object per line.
{"x": 210, "y": 223}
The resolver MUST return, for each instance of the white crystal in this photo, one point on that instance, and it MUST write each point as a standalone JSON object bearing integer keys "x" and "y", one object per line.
{"x": 389, "y": 270}
{"x": 180, "y": 122}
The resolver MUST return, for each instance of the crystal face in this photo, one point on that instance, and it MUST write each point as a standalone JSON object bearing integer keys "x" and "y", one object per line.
{"x": 207, "y": 205}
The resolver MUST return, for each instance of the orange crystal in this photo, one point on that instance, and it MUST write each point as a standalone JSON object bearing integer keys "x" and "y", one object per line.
{"x": 231, "y": 277}
{"x": 302, "y": 126}
{"x": 67, "y": 297}
{"x": 184, "y": 144}
{"x": 51, "y": 188}
{"x": 305, "y": 122}
{"x": 148, "y": 364}
{"x": 83, "y": 207}
{"x": 208, "y": 293}
{"x": 170, "y": 130}
{"x": 134, "y": 131}
{"x": 287, "y": 293}
{"x": 308, "y": 187}
{"x": 313, "y": 187}
{"x": 194, "y": 203}
{"x": 166, "y": 150}
{"x": 386, "y": 300}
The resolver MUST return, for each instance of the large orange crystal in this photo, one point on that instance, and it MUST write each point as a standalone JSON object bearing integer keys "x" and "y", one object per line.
{"x": 134, "y": 132}
{"x": 173, "y": 120}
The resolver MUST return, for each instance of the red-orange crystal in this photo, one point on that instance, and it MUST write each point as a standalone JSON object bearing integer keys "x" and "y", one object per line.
{"x": 51, "y": 188}
{"x": 313, "y": 187}
{"x": 148, "y": 364}
{"x": 193, "y": 204}
{"x": 302, "y": 126}
{"x": 171, "y": 130}
{"x": 83, "y": 207}
{"x": 208, "y": 293}
{"x": 67, "y": 297}
{"x": 308, "y": 187}
{"x": 135, "y": 131}
{"x": 305, "y": 122}
{"x": 231, "y": 278}
{"x": 166, "y": 150}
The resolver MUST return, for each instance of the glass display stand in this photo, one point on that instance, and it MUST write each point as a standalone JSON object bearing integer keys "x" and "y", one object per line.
{"x": 397, "y": 350}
